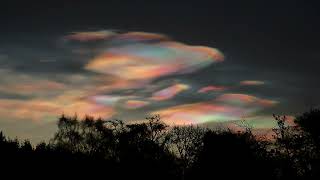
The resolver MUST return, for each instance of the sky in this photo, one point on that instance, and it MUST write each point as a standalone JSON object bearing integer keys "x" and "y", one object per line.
{"x": 208, "y": 63}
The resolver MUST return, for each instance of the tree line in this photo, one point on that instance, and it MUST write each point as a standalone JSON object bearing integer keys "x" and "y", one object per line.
{"x": 97, "y": 148}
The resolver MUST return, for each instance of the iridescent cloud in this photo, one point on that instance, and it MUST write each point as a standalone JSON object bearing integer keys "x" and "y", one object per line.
{"x": 105, "y": 99}
{"x": 130, "y": 67}
{"x": 147, "y": 56}
{"x": 211, "y": 88}
{"x": 198, "y": 113}
{"x": 77, "y": 101}
{"x": 33, "y": 110}
{"x": 135, "y": 59}
{"x": 251, "y": 83}
{"x": 142, "y": 36}
{"x": 134, "y": 104}
{"x": 82, "y": 108}
{"x": 244, "y": 100}
{"x": 90, "y": 36}
{"x": 38, "y": 109}
{"x": 32, "y": 87}
{"x": 227, "y": 107}
{"x": 23, "y": 84}
{"x": 169, "y": 92}
{"x": 111, "y": 73}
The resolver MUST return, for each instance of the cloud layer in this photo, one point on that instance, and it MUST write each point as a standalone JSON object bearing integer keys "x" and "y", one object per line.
{"x": 125, "y": 75}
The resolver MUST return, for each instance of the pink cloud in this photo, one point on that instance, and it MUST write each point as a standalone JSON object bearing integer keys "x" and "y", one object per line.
{"x": 28, "y": 85}
{"x": 211, "y": 88}
{"x": 227, "y": 107}
{"x": 251, "y": 83}
{"x": 244, "y": 99}
{"x": 197, "y": 113}
{"x": 169, "y": 92}
{"x": 90, "y": 36}
{"x": 142, "y": 36}
{"x": 134, "y": 104}
{"x": 33, "y": 110}
{"x": 36, "y": 110}
{"x": 147, "y": 56}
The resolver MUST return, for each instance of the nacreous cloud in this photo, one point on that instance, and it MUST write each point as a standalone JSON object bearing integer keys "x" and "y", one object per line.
{"x": 89, "y": 36}
{"x": 134, "y": 104}
{"x": 211, "y": 88}
{"x": 123, "y": 75}
{"x": 251, "y": 83}
{"x": 169, "y": 92}
{"x": 227, "y": 107}
{"x": 134, "y": 60}
{"x": 147, "y": 56}
{"x": 245, "y": 100}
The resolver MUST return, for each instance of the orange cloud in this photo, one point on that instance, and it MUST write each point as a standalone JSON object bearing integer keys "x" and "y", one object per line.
{"x": 130, "y": 67}
{"x": 142, "y": 36}
{"x": 134, "y": 104}
{"x": 82, "y": 108}
{"x": 211, "y": 52}
{"x": 116, "y": 84}
{"x": 90, "y": 36}
{"x": 204, "y": 51}
{"x": 33, "y": 109}
{"x": 48, "y": 108}
{"x": 40, "y": 86}
{"x": 198, "y": 113}
{"x": 251, "y": 83}
{"x": 227, "y": 107}
{"x": 244, "y": 99}
{"x": 147, "y": 56}
{"x": 211, "y": 88}
{"x": 24, "y": 84}
{"x": 77, "y": 101}
{"x": 169, "y": 92}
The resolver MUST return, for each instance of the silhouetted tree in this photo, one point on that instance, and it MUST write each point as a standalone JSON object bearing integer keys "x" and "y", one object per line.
{"x": 232, "y": 155}
{"x": 94, "y": 147}
{"x": 294, "y": 150}
{"x": 186, "y": 142}
{"x": 310, "y": 123}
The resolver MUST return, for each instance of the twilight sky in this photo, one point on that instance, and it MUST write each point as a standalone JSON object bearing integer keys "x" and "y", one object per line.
{"x": 206, "y": 63}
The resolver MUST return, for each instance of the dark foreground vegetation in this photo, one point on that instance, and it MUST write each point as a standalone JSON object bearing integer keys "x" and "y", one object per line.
{"x": 94, "y": 148}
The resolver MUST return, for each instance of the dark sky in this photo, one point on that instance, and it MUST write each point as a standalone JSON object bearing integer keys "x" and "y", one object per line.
{"x": 270, "y": 48}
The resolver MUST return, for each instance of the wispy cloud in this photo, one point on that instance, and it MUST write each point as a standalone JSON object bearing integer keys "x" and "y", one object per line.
{"x": 251, "y": 83}
{"x": 227, "y": 107}
{"x": 32, "y": 87}
{"x": 169, "y": 92}
{"x": 211, "y": 88}
{"x": 90, "y": 36}
{"x": 134, "y": 104}
{"x": 245, "y": 100}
